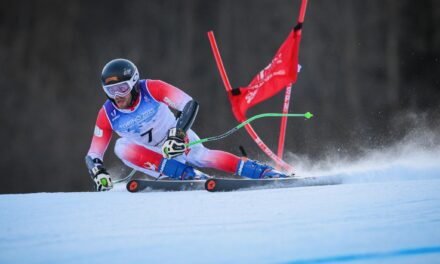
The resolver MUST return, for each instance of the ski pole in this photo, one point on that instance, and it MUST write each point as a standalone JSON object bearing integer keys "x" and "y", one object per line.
{"x": 307, "y": 115}
{"x": 126, "y": 177}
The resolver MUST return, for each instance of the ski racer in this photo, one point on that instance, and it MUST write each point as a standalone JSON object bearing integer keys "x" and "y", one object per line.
{"x": 152, "y": 139}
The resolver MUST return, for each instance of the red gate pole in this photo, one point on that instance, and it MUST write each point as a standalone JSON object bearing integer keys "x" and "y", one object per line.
{"x": 248, "y": 127}
{"x": 288, "y": 93}
{"x": 284, "y": 121}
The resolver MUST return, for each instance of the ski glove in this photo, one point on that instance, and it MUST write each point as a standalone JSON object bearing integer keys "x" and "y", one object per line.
{"x": 102, "y": 179}
{"x": 175, "y": 143}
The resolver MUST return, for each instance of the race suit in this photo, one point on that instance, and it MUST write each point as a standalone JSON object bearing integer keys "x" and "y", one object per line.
{"x": 144, "y": 128}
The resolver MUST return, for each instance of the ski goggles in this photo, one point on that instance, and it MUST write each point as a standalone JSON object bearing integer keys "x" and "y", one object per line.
{"x": 121, "y": 89}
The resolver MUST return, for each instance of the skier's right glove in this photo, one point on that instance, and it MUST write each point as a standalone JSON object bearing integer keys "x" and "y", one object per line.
{"x": 99, "y": 174}
{"x": 102, "y": 180}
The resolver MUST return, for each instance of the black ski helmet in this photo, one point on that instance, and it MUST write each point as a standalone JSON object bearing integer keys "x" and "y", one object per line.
{"x": 121, "y": 70}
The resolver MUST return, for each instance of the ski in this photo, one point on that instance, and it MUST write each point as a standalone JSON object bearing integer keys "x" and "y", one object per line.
{"x": 226, "y": 185}
{"x": 164, "y": 185}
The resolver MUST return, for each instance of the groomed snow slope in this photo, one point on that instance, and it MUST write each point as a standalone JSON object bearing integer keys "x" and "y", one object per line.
{"x": 387, "y": 210}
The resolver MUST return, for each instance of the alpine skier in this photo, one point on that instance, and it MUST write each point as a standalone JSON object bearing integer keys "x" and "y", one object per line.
{"x": 152, "y": 139}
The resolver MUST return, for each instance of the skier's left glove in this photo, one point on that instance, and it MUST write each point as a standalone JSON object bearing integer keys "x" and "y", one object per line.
{"x": 175, "y": 143}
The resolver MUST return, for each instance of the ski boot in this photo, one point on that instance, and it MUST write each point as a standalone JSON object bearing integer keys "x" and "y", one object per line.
{"x": 179, "y": 171}
{"x": 255, "y": 170}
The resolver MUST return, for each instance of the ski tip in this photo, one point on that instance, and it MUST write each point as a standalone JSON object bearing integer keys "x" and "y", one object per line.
{"x": 308, "y": 115}
{"x": 210, "y": 185}
{"x": 133, "y": 186}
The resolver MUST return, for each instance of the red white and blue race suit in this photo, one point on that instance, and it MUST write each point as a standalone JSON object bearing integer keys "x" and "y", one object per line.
{"x": 144, "y": 128}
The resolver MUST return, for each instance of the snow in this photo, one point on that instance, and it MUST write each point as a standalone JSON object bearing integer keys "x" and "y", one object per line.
{"x": 386, "y": 210}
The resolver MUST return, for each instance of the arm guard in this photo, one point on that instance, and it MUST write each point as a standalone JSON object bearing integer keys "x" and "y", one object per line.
{"x": 187, "y": 116}
{"x": 94, "y": 166}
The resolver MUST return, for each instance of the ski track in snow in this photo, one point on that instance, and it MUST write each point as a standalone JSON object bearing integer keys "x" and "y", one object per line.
{"x": 386, "y": 210}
